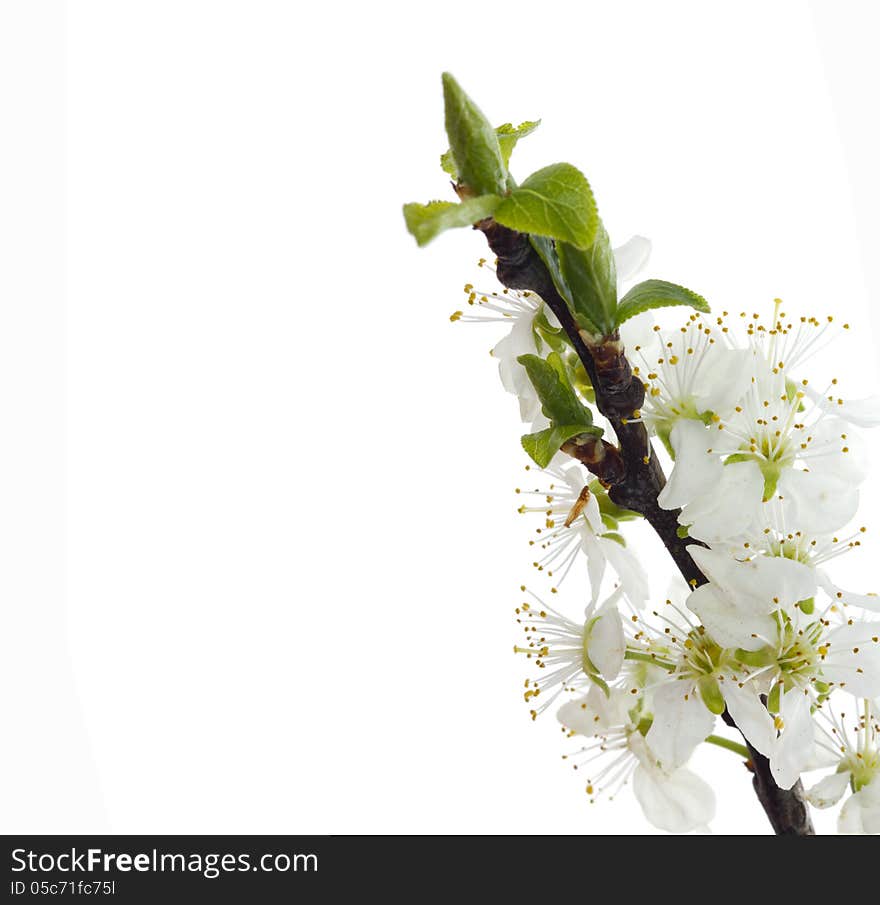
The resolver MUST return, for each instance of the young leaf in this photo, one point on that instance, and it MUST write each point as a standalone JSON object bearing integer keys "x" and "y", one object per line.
{"x": 425, "y": 221}
{"x": 555, "y": 202}
{"x": 507, "y": 135}
{"x": 544, "y": 445}
{"x": 591, "y": 277}
{"x": 472, "y": 141}
{"x": 657, "y": 294}
{"x": 558, "y": 399}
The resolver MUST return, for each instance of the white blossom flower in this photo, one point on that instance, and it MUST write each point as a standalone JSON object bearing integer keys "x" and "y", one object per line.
{"x": 738, "y": 602}
{"x": 572, "y": 653}
{"x": 791, "y": 659}
{"x": 816, "y": 551}
{"x": 574, "y": 525}
{"x": 686, "y": 693}
{"x": 775, "y": 441}
{"x": 520, "y": 310}
{"x": 675, "y": 800}
{"x": 857, "y": 761}
{"x": 689, "y": 375}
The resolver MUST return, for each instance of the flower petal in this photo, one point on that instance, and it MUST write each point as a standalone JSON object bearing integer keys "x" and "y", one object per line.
{"x": 727, "y": 375}
{"x": 730, "y": 507}
{"x": 631, "y": 257}
{"x": 828, "y": 791}
{"x": 606, "y": 646}
{"x": 731, "y": 623}
{"x": 821, "y": 503}
{"x": 751, "y": 717}
{"x": 853, "y": 658}
{"x": 696, "y": 472}
{"x": 681, "y": 722}
{"x": 794, "y": 747}
{"x": 678, "y": 804}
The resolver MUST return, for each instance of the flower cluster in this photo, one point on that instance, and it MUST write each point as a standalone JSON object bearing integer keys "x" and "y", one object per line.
{"x": 765, "y": 475}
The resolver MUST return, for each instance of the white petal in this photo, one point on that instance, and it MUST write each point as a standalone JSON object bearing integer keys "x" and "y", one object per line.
{"x": 870, "y": 602}
{"x": 770, "y": 581}
{"x": 730, "y": 507}
{"x": 519, "y": 341}
{"x": 853, "y": 659}
{"x": 596, "y": 563}
{"x": 594, "y": 713}
{"x": 606, "y": 646}
{"x": 828, "y": 441}
{"x": 861, "y": 412}
{"x": 828, "y": 791}
{"x": 794, "y": 746}
{"x": 681, "y": 722}
{"x": 593, "y": 514}
{"x": 751, "y": 717}
{"x": 782, "y": 582}
{"x": 727, "y": 374}
{"x": 849, "y": 820}
{"x": 629, "y": 570}
{"x": 821, "y": 503}
{"x": 731, "y": 623}
{"x": 678, "y": 803}
{"x": 696, "y": 472}
{"x": 861, "y": 812}
{"x": 631, "y": 258}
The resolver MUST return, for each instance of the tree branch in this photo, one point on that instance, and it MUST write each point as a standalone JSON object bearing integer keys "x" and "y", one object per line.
{"x": 631, "y": 469}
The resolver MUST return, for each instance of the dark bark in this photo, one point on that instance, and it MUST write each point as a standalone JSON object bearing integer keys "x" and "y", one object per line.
{"x": 631, "y": 470}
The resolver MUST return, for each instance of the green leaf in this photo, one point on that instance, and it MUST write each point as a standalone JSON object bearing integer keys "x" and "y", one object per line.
{"x": 558, "y": 398}
{"x": 657, "y": 294}
{"x": 544, "y": 445}
{"x": 507, "y": 135}
{"x": 555, "y": 202}
{"x": 425, "y": 221}
{"x": 591, "y": 278}
{"x": 473, "y": 142}
{"x": 546, "y": 249}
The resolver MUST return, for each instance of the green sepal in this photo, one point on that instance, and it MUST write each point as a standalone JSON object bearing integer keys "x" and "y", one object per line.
{"x": 763, "y": 657}
{"x": 807, "y": 606}
{"x": 610, "y": 522}
{"x": 616, "y": 537}
{"x": 710, "y": 694}
{"x": 683, "y": 531}
{"x": 774, "y": 699}
{"x": 554, "y": 337}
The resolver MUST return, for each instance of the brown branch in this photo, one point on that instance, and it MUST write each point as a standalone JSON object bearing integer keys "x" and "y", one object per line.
{"x": 631, "y": 470}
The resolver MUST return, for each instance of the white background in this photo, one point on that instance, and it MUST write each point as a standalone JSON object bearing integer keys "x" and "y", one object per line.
{"x": 259, "y": 549}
